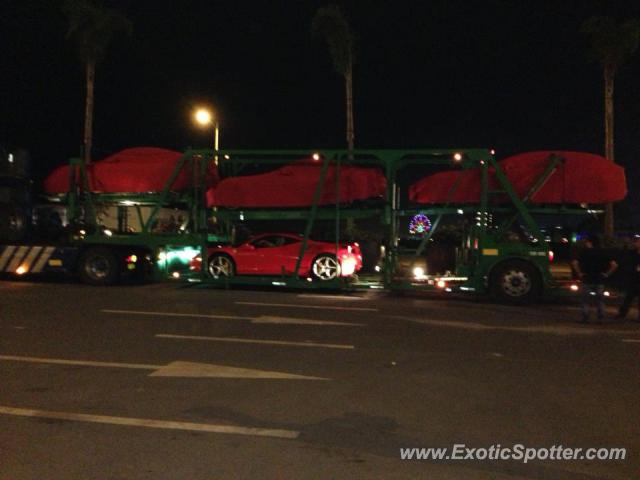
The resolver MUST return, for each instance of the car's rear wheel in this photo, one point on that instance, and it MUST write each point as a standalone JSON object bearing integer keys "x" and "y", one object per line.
{"x": 221, "y": 266}
{"x": 325, "y": 267}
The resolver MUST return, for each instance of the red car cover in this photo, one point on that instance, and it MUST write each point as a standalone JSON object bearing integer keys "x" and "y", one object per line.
{"x": 134, "y": 170}
{"x": 579, "y": 178}
{"x": 294, "y": 185}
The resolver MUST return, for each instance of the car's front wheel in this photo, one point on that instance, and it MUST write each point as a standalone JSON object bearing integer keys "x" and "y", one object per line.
{"x": 221, "y": 266}
{"x": 325, "y": 267}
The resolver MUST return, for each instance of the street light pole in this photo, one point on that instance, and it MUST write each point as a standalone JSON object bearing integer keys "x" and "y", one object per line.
{"x": 204, "y": 117}
{"x": 216, "y": 142}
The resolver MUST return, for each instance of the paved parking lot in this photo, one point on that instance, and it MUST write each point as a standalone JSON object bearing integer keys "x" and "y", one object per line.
{"x": 167, "y": 382}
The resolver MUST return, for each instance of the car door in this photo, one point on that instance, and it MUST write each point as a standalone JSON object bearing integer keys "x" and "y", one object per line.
{"x": 246, "y": 258}
{"x": 289, "y": 253}
{"x": 268, "y": 254}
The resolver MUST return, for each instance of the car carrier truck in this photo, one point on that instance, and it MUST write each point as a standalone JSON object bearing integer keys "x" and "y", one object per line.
{"x": 493, "y": 206}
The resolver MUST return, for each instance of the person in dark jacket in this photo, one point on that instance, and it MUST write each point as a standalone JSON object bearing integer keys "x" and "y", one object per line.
{"x": 593, "y": 267}
{"x": 633, "y": 283}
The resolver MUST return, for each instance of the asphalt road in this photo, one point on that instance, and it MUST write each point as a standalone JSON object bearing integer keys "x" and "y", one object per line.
{"x": 174, "y": 382}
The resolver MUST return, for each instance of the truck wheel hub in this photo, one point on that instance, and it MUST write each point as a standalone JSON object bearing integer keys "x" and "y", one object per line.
{"x": 98, "y": 267}
{"x": 516, "y": 283}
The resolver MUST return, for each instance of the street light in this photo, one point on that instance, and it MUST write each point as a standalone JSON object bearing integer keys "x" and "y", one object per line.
{"x": 204, "y": 118}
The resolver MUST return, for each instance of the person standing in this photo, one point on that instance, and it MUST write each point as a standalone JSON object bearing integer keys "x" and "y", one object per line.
{"x": 633, "y": 283}
{"x": 593, "y": 267}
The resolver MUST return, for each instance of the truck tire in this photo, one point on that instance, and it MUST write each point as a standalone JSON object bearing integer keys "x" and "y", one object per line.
{"x": 99, "y": 266}
{"x": 515, "y": 282}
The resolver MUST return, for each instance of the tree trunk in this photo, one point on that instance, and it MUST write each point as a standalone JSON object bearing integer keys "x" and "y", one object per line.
{"x": 609, "y": 76}
{"x": 351, "y": 223}
{"x": 88, "y": 112}
{"x": 349, "y": 100}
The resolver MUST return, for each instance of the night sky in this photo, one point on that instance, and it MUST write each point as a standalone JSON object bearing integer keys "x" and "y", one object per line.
{"x": 512, "y": 75}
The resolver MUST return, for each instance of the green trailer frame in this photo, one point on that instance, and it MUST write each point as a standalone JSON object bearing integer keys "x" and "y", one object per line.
{"x": 485, "y": 254}
{"x": 484, "y": 251}
{"x": 82, "y": 206}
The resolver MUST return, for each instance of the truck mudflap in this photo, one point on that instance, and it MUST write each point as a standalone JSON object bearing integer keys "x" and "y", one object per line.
{"x": 23, "y": 259}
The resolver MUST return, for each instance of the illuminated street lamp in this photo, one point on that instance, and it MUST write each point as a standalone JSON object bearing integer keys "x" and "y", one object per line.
{"x": 204, "y": 118}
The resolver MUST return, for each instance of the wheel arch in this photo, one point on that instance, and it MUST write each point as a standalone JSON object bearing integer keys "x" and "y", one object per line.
{"x": 513, "y": 258}
{"x": 491, "y": 271}
{"x": 145, "y": 266}
{"x": 119, "y": 250}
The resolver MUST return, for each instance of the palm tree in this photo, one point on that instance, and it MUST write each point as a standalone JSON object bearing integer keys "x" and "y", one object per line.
{"x": 92, "y": 27}
{"x": 330, "y": 24}
{"x": 612, "y": 44}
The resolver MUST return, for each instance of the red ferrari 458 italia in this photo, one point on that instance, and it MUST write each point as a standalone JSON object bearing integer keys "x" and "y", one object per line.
{"x": 277, "y": 253}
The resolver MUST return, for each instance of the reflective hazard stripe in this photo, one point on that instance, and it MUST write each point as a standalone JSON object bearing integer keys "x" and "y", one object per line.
{"x": 6, "y": 256}
{"x": 46, "y": 255}
{"x": 31, "y": 256}
{"x": 17, "y": 258}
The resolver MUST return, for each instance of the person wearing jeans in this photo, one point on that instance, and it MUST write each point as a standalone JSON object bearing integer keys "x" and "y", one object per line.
{"x": 592, "y": 267}
{"x": 592, "y": 292}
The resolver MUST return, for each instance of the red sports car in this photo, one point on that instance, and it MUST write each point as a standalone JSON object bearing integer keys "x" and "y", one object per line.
{"x": 277, "y": 253}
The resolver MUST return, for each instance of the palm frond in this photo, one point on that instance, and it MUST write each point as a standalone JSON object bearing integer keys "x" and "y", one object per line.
{"x": 93, "y": 27}
{"x": 612, "y": 43}
{"x": 330, "y": 24}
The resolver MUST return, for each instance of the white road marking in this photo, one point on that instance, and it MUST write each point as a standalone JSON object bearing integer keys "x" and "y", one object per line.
{"x": 171, "y": 314}
{"x": 259, "y": 342}
{"x": 81, "y": 363}
{"x": 319, "y": 307}
{"x": 564, "y": 330}
{"x": 188, "y": 369}
{"x": 173, "y": 369}
{"x": 329, "y": 297}
{"x": 258, "y": 320}
{"x": 631, "y": 340}
{"x": 149, "y": 423}
{"x": 302, "y": 321}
